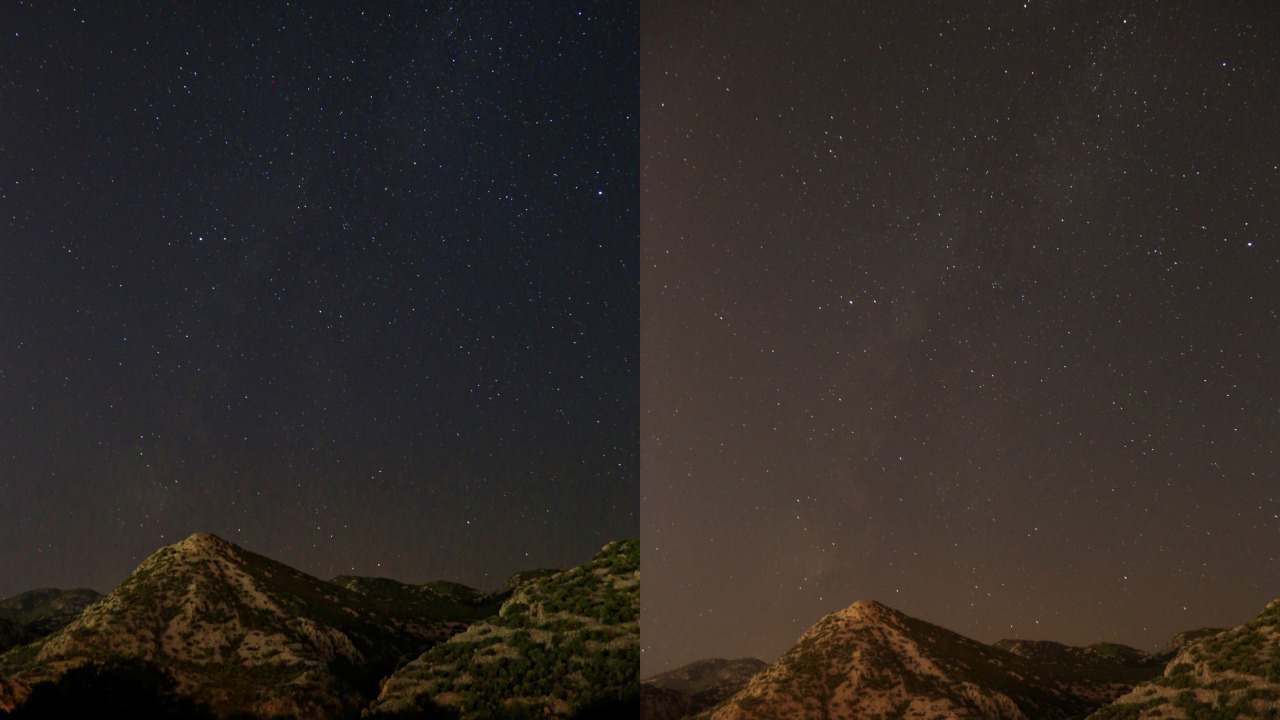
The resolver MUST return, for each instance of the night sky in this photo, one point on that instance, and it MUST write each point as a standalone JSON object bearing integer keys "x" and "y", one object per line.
{"x": 970, "y": 308}
{"x": 354, "y": 288}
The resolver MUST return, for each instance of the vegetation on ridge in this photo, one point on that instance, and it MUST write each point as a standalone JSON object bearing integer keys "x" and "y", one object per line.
{"x": 561, "y": 644}
{"x": 204, "y": 628}
{"x": 1221, "y": 675}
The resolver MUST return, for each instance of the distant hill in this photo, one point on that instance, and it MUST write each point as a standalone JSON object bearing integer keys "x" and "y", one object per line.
{"x": 438, "y": 599}
{"x": 565, "y": 644}
{"x": 1104, "y": 662}
{"x": 41, "y": 612}
{"x": 695, "y": 687}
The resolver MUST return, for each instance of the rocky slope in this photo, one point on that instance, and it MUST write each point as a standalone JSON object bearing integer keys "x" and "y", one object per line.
{"x": 562, "y": 643}
{"x": 1220, "y": 675}
{"x": 691, "y": 688}
{"x": 871, "y": 661}
{"x": 238, "y": 632}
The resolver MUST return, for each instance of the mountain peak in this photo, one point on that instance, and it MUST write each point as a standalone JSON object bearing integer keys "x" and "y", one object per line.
{"x": 203, "y": 538}
{"x": 868, "y": 612}
{"x": 204, "y": 545}
{"x": 867, "y": 607}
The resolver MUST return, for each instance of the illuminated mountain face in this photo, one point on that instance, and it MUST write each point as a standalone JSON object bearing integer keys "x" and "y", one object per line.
{"x": 239, "y": 633}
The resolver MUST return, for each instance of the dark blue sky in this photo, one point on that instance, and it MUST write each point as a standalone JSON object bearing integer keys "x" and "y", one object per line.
{"x": 355, "y": 288}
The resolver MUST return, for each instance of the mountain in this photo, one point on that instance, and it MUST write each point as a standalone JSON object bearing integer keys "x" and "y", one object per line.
{"x": 1104, "y": 662}
{"x": 869, "y": 660}
{"x": 1220, "y": 675}
{"x": 41, "y": 612}
{"x": 564, "y": 644}
{"x": 437, "y": 599}
{"x": 238, "y": 632}
{"x": 695, "y": 687}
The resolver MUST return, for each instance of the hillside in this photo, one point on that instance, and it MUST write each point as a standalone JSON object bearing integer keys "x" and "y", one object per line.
{"x": 238, "y": 632}
{"x": 562, "y": 644}
{"x": 1214, "y": 675}
{"x": 871, "y": 661}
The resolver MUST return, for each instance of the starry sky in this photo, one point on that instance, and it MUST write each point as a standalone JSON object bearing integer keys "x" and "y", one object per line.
{"x": 353, "y": 285}
{"x": 970, "y": 308}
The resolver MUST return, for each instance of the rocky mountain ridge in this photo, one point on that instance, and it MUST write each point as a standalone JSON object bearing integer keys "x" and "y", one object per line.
{"x": 871, "y": 661}
{"x": 238, "y": 631}
{"x": 240, "y": 635}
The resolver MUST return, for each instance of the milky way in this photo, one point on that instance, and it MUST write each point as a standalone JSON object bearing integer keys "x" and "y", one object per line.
{"x": 970, "y": 309}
